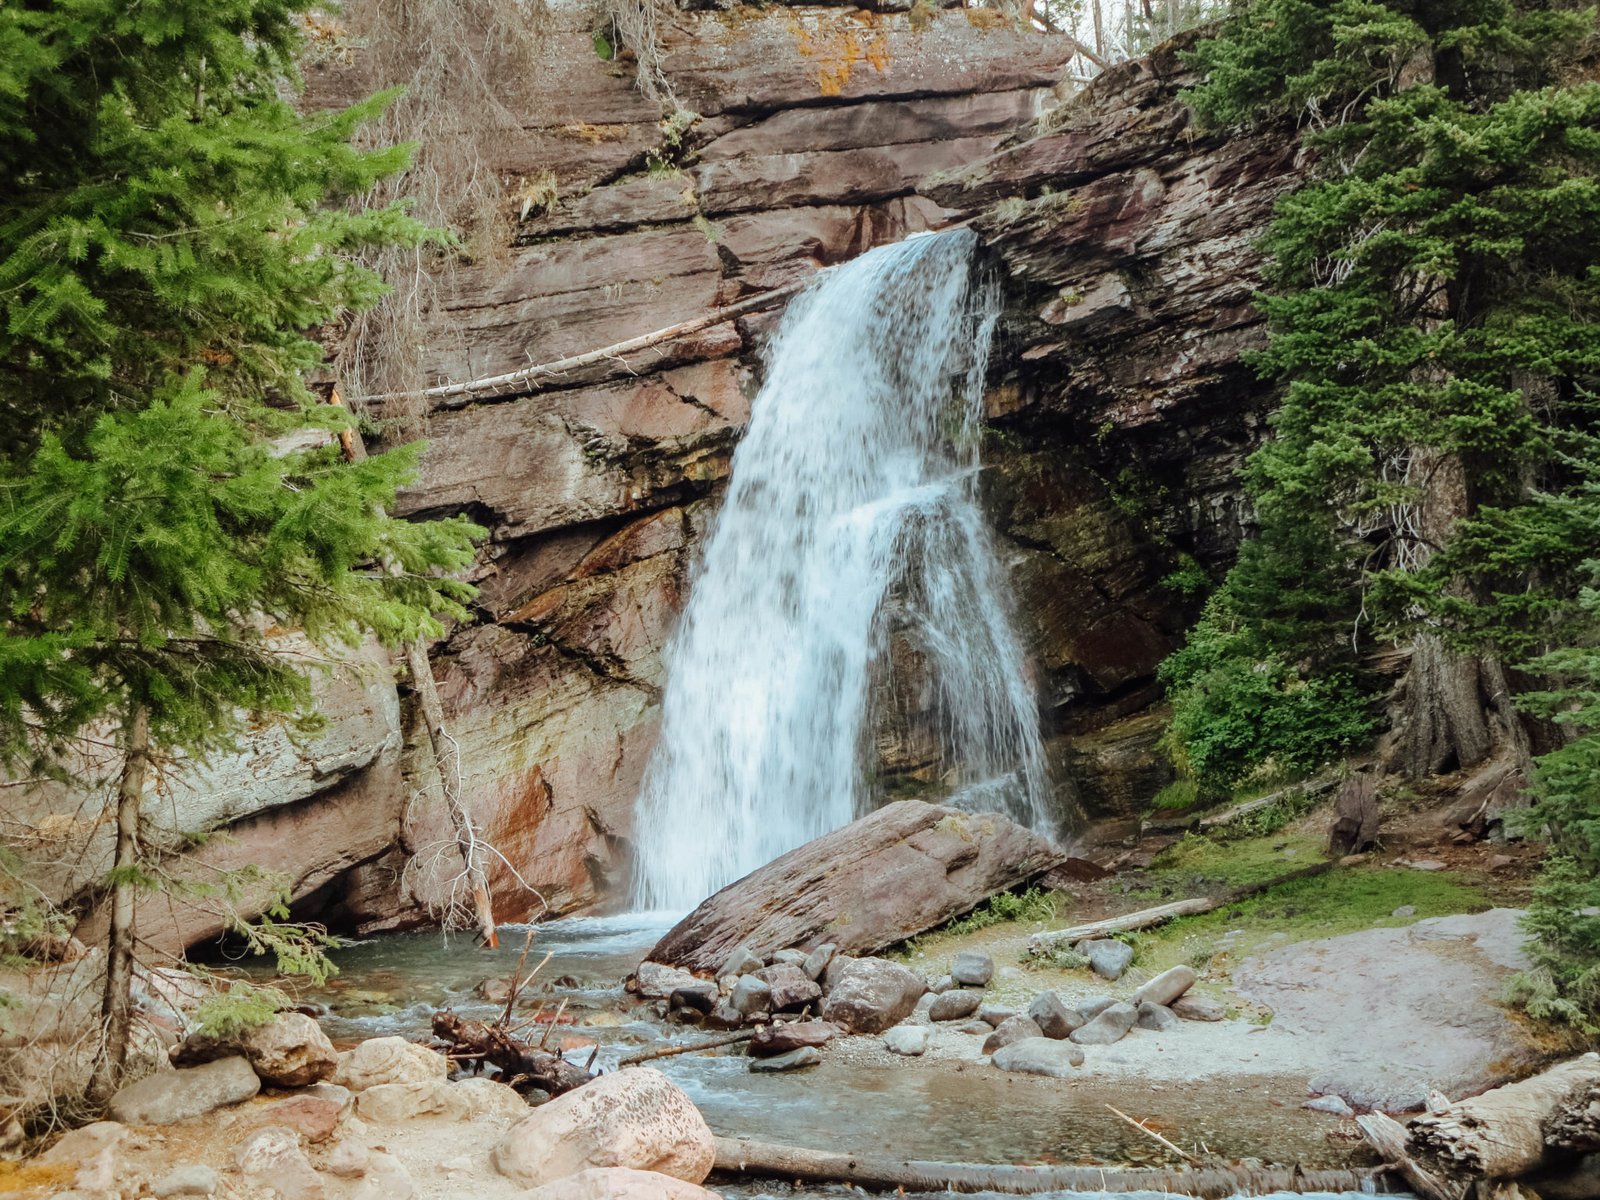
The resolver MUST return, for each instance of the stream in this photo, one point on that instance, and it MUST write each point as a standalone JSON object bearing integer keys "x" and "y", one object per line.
{"x": 853, "y": 1101}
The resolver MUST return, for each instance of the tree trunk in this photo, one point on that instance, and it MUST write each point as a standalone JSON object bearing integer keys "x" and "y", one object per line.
{"x": 1501, "y": 1134}
{"x": 448, "y": 758}
{"x": 116, "y": 1004}
{"x": 1099, "y": 30}
{"x": 735, "y": 1156}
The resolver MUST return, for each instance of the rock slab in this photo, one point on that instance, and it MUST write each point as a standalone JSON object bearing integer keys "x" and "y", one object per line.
{"x": 636, "y": 1118}
{"x": 895, "y": 873}
{"x": 170, "y": 1096}
{"x": 1111, "y": 1025}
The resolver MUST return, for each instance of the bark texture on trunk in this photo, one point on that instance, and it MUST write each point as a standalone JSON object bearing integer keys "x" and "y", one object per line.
{"x": 116, "y": 1004}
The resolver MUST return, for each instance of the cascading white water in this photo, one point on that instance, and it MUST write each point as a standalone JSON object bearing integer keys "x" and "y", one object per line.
{"x": 857, "y": 475}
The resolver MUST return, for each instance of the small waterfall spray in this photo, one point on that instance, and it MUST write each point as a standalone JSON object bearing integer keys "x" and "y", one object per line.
{"x": 857, "y": 475}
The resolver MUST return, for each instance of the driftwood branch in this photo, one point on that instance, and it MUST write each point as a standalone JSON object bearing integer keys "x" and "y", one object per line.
{"x": 731, "y": 1039}
{"x": 736, "y": 1156}
{"x": 531, "y": 378}
{"x": 520, "y": 1064}
{"x": 1148, "y": 918}
{"x": 1501, "y": 1134}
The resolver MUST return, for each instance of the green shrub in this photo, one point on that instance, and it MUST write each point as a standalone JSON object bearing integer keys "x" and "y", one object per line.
{"x": 238, "y": 1010}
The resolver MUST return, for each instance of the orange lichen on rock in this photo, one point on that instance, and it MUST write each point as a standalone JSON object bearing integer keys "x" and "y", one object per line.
{"x": 860, "y": 37}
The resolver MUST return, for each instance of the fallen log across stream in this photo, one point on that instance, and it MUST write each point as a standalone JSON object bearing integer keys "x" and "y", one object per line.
{"x": 737, "y": 1156}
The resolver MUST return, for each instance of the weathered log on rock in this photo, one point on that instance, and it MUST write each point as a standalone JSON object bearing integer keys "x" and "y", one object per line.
{"x": 520, "y": 1064}
{"x": 1388, "y": 1137}
{"x": 736, "y": 1156}
{"x": 895, "y": 873}
{"x": 1575, "y": 1126}
{"x": 1501, "y": 1134}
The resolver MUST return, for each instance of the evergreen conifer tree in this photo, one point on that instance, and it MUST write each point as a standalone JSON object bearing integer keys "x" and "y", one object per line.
{"x": 172, "y": 233}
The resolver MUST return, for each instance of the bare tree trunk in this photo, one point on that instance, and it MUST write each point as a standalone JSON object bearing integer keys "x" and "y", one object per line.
{"x": 116, "y": 1005}
{"x": 448, "y": 758}
{"x": 1099, "y": 30}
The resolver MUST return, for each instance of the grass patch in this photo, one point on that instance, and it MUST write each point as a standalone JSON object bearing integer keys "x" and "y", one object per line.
{"x": 1199, "y": 864}
{"x": 1033, "y": 905}
{"x": 1344, "y": 900}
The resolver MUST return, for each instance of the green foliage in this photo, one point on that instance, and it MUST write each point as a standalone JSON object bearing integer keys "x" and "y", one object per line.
{"x": 1034, "y": 904}
{"x": 239, "y": 1010}
{"x": 174, "y": 236}
{"x": 171, "y": 233}
{"x": 1059, "y": 957}
{"x": 1241, "y": 711}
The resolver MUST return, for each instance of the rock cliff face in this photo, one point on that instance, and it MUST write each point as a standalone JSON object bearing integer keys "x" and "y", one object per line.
{"x": 1119, "y": 412}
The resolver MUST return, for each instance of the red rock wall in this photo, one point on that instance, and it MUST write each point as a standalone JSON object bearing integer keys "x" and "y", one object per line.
{"x": 814, "y": 127}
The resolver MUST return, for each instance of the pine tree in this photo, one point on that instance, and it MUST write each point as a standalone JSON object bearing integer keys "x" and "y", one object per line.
{"x": 1434, "y": 308}
{"x": 172, "y": 233}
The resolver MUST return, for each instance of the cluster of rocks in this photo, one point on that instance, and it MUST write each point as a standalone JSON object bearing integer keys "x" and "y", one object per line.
{"x": 780, "y": 996}
{"x": 1047, "y": 1038}
{"x": 630, "y": 1134}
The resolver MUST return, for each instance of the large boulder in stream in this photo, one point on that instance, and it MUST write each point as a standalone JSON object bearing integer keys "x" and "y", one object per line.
{"x": 895, "y": 873}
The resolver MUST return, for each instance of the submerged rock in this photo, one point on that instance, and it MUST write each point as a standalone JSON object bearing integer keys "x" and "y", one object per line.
{"x": 771, "y": 1040}
{"x": 871, "y": 994}
{"x": 899, "y": 871}
{"x": 635, "y": 1118}
{"x": 619, "y": 1183}
{"x": 1040, "y": 1056}
{"x": 795, "y": 1060}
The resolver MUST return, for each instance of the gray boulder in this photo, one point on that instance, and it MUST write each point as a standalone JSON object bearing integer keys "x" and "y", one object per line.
{"x": 817, "y": 961}
{"x": 972, "y": 969}
{"x": 995, "y": 1013}
{"x": 741, "y": 960}
{"x": 1167, "y": 986}
{"x": 1199, "y": 1008}
{"x": 795, "y": 1060}
{"x": 941, "y": 985}
{"x": 976, "y": 1028}
{"x": 910, "y": 1040}
{"x": 1108, "y": 958}
{"x": 1091, "y": 1008}
{"x": 870, "y": 994}
{"x": 792, "y": 988}
{"x": 190, "y": 1180}
{"x": 271, "y": 1158}
{"x": 772, "y": 1040}
{"x": 702, "y": 997}
{"x": 1051, "y": 1015}
{"x": 1156, "y": 1016}
{"x": 724, "y": 1016}
{"x": 794, "y": 958}
{"x": 170, "y": 1096}
{"x": 955, "y": 1006}
{"x": 1012, "y": 1029}
{"x": 1111, "y": 1025}
{"x": 1330, "y": 1104}
{"x": 1040, "y": 1056}
{"x": 751, "y": 995}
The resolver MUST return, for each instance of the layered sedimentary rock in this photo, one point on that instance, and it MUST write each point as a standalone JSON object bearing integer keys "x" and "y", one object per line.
{"x": 1119, "y": 411}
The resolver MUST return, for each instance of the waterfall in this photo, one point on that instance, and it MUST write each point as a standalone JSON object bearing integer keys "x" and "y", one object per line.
{"x": 857, "y": 475}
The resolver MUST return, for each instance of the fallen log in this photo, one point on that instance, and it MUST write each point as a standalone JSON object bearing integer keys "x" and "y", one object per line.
{"x": 1148, "y": 918}
{"x": 528, "y": 379}
{"x": 738, "y": 1156}
{"x": 521, "y": 1065}
{"x": 1206, "y": 822}
{"x": 1575, "y": 1125}
{"x": 1501, "y": 1134}
{"x": 1388, "y": 1137}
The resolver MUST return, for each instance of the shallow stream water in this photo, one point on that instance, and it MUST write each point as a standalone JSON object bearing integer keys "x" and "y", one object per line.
{"x": 855, "y": 1102}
